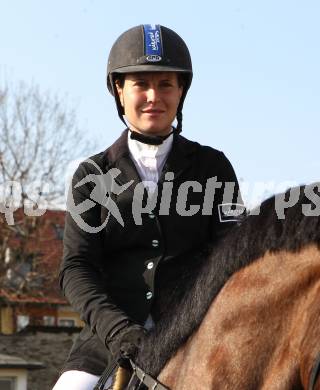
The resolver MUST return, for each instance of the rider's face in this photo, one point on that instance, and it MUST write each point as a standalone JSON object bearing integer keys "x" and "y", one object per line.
{"x": 150, "y": 101}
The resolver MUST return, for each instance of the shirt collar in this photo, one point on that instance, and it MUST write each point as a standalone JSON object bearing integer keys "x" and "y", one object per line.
{"x": 139, "y": 149}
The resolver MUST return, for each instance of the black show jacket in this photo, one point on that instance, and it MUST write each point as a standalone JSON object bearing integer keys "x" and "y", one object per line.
{"x": 118, "y": 272}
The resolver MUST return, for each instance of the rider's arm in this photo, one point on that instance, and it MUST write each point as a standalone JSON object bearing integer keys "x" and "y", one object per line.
{"x": 81, "y": 278}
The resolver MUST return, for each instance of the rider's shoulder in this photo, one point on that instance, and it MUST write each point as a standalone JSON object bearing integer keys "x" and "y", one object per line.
{"x": 203, "y": 150}
{"x": 94, "y": 164}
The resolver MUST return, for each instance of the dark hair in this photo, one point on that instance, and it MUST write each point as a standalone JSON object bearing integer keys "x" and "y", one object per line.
{"x": 119, "y": 79}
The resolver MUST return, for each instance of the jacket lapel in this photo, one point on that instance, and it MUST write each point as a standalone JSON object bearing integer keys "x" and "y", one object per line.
{"x": 179, "y": 157}
{"x": 118, "y": 156}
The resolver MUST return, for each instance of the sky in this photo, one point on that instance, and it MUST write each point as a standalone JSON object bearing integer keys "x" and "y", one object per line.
{"x": 256, "y": 88}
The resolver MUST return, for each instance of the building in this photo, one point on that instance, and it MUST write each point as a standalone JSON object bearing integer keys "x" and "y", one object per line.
{"x": 29, "y": 290}
{"x": 37, "y": 325}
{"x": 13, "y": 372}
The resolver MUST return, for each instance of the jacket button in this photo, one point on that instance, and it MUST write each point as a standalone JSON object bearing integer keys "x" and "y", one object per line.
{"x": 150, "y": 265}
{"x": 149, "y": 295}
{"x": 155, "y": 243}
{"x": 151, "y": 215}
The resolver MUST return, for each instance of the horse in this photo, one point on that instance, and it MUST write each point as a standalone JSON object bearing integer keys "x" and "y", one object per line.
{"x": 251, "y": 316}
{"x": 262, "y": 332}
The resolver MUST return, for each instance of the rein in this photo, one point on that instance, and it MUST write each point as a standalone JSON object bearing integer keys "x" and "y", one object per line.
{"x": 107, "y": 373}
{"x": 314, "y": 373}
{"x": 138, "y": 378}
{"x": 145, "y": 379}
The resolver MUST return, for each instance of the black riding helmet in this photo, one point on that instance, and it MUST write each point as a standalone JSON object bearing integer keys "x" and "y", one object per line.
{"x": 149, "y": 48}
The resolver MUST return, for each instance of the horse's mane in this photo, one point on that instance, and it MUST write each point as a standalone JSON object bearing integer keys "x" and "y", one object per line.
{"x": 244, "y": 244}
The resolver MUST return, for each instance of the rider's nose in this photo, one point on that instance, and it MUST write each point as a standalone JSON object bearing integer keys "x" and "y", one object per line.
{"x": 152, "y": 95}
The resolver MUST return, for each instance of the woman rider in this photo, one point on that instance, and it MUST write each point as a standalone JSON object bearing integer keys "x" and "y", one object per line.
{"x": 123, "y": 251}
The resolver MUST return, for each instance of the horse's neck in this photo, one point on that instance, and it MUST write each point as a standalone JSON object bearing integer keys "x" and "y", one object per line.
{"x": 265, "y": 313}
{"x": 273, "y": 278}
{"x": 274, "y": 291}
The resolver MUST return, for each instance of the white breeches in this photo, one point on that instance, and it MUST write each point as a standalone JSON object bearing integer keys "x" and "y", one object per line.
{"x": 78, "y": 380}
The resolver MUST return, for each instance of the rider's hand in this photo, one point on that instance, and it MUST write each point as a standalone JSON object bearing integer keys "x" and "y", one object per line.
{"x": 125, "y": 344}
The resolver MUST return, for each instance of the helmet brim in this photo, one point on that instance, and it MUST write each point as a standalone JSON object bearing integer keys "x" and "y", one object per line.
{"x": 149, "y": 68}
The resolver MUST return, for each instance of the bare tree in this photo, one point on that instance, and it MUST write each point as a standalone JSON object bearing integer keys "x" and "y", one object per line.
{"x": 39, "y": 136}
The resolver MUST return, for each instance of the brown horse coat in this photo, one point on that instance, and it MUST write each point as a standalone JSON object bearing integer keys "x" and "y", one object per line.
{"x": 261, "y": 332}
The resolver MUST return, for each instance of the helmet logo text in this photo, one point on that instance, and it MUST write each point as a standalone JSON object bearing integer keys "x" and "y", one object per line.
{"x": 153, "y": 58}
{"x": 152, "y": 42}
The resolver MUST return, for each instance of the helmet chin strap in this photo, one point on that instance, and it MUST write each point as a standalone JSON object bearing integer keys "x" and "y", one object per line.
{"x": 149, "y": 139}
